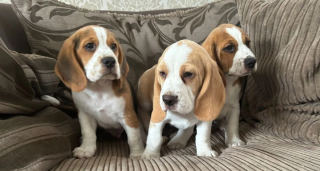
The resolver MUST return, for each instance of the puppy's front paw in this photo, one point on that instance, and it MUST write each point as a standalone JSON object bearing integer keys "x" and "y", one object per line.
{"x": 135, "y": 155}
{"x": 209, "y": 153}
{"x": 148, "y": 155}
{"x": 175, "y": 145}
{"x": 84, "y": 151}
{"x": 235, "y": 143}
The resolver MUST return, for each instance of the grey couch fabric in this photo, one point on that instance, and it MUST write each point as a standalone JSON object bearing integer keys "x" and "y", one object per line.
{"x": 262, "y": 152}
{"x": 11, "y": 30}
{"x": 281, "y": 104}
{"x": 284, "y": 94}
{"x": 33, "y": 135}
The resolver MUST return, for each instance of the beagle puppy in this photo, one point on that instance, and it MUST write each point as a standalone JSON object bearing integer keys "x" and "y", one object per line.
{"x": 92, "y": 64}
{"x": 228, "y": 45}
{"x": 184, "y": 89}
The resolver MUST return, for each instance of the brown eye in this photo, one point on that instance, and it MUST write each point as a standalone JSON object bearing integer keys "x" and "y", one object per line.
{"x": 187, "y": 75}
{"x": 90, "y": 47}
{"x": 163, "y": 74}
{"x": 229, "y": 48}
{"x": 113, "y": 46}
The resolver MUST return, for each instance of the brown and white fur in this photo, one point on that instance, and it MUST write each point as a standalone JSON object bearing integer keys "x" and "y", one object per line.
{"x": 186, "y": 90}
{"x": 228, "y": 45}
{"x": 91, "y": 63}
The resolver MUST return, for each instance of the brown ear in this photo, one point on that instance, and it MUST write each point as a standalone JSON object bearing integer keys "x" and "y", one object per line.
{"x": 212, "y": 94}
{"x": 68, "y": 67}
{"x": 124, "y": 69}
{"x": 209, "y": 46}
{"x": 157, "y": 113}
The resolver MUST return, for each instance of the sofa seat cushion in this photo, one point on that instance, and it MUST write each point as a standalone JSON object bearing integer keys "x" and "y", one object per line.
{"x": 261, "y": 152}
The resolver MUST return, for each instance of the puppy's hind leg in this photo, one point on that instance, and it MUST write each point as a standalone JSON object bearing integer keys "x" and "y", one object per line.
{"x": 144, "y": 119}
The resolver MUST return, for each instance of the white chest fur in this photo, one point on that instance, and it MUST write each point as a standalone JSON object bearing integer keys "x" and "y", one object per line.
{"x": 232, "y": 90}
{"x": 181, "y": 121}
{"x": 99, "y": 101}
{"x": 232, "y": 95}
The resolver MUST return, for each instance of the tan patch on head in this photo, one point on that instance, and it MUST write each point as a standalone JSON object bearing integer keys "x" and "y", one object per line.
{"x": 111, "y": 39}
{"x": 86, "y": 35}
{"x": 73, "y": 56}
{"x": 217, "y": 40}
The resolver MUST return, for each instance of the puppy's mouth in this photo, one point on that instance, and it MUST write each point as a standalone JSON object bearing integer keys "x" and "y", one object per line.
{"x": 110, "y": 74}
{"x": 242, "y": 73}
{"x": 171, "y": 108}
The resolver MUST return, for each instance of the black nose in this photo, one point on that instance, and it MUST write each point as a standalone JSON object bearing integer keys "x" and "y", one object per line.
{"x": 169, "y": 100}
{"x": 250, "y": 62}
{"x": 108, "y": 62}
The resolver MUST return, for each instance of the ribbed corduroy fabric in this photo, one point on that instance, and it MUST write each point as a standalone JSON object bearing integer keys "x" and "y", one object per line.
{"x": 262, "y": 152}
{"x": 284, "y": 93}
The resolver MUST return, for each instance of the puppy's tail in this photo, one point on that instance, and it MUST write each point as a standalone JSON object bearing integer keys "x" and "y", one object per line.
{"x": 55, "y": 102}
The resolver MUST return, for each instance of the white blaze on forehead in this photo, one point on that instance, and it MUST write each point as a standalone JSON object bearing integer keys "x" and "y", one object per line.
{"x": 175, "y": 56}
{"x": 235, "y": 33}
{"x": 101, "y": 34}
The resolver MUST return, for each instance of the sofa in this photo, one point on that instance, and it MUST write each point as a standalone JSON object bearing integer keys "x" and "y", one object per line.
{"x": 280, "y": 104}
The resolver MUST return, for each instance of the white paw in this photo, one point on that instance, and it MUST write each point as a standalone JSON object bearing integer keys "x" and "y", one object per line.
{"x": 208, "y": 153}
{"x": 135, "y": 155}
{"x": 236, "y": 143}
{"x": 148, "y": 155}
{"x": 175, "y": 145}
{"x": 84, "y": 151}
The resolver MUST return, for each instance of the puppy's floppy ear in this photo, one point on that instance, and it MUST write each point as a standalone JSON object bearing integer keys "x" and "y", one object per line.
{"x": 209, "y": 46}
{"x": 157, "y": 113}
{"x": 68, "y": 66}
{"x": 212, "y": 94}
{"x": 124, "y": 69}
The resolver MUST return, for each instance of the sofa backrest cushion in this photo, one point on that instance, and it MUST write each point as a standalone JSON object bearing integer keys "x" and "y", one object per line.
{"x": 11, "y": 30}
{"x": 142, "y": 37}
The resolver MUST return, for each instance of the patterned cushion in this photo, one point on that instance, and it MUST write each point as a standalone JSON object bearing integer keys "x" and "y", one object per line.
{"x": 284, "y": 94}
{"x": 142, "y": 37}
